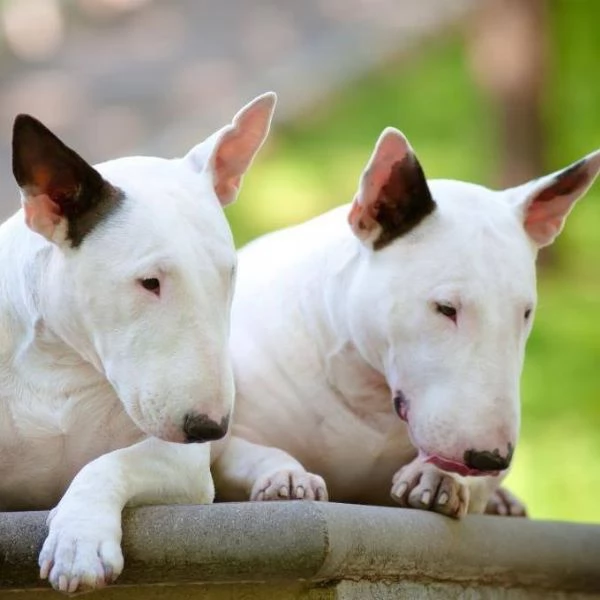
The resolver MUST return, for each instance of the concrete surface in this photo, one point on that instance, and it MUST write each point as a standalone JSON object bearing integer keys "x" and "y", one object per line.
{"x": 318, "y": 550}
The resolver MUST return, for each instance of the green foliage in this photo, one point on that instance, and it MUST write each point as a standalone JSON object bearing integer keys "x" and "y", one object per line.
{"x": 314, "y": 163}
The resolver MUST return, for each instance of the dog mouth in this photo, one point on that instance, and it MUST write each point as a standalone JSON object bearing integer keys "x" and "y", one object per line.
{"x": 401, "y": 406}
{"x": 454, "y": 466}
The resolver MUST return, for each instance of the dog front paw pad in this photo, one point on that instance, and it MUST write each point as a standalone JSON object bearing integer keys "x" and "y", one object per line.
{"x": 428, "y": 488}
{"x": 75, "y": 559}
{"x": 504, "y": 503}
{"x": 289, "y": 485}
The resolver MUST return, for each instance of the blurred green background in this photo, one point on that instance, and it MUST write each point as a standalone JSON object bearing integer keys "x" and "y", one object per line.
{"x": 313, "y": 163}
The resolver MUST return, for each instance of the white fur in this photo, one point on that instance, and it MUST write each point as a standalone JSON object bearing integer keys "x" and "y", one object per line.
{"x": 92, "y": 365}
{"x": 324, "y": 329}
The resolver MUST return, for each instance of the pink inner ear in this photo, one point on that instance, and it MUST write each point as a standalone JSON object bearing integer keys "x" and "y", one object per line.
{"x": 361, "y": 219}
{"x": 227, "y": 163}
{"x": 540, "y": 211}
{"x": 547, "y": 211}
{"x": 233, "y": 157}
{"x": 230, "y": 164}
{"x": 227, "y": 188}
{"x": 237, "y": 146}
{"x": 42, "y": 215}
{"x": 390, "y": 150}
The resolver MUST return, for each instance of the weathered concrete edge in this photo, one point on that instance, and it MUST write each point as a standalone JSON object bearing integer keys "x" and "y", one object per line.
{"x": 308, "y": 541}
{"x": 392, "y": 544}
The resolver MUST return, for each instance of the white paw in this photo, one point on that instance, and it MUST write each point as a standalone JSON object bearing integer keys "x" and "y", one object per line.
{"x": 424, "y": 486}
{"x": 289, "y": 485}
{"x": 81, "y": 552}
{"x": 503, "y": 503}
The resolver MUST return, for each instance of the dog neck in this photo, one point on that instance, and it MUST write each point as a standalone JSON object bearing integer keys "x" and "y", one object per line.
{"x": 31, "y": 344}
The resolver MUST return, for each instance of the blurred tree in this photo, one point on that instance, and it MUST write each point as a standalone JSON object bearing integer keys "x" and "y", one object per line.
{"x": 507, "y": 46}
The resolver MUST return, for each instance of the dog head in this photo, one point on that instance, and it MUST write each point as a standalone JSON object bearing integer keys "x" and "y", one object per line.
{"x": 141, "y": 272}
{"x": 444, "y": 297}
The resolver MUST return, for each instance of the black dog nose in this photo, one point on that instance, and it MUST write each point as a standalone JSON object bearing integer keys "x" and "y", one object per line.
{"x": 484, "y": 460}
{"x": 199, "y": 428}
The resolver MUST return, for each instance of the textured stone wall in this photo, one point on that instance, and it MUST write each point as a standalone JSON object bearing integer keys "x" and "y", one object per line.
{"x": 318, "y": 551}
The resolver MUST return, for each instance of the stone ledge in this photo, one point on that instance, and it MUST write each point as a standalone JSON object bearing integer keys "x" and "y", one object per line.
{"x": 314, "y": 544}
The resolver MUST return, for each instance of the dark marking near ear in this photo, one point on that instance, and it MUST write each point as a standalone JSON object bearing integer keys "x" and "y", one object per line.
{"x": 99, "y": 208}
{"x": 565, "y": 183}
{"x": 43, "y": 164}
{"x": 404, "y": 201}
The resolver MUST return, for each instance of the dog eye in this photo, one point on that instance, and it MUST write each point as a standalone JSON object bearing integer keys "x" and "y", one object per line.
{"x": 447, "y": 311}
{"x": 527, "y": 314}
{"x": 152, "y": 284}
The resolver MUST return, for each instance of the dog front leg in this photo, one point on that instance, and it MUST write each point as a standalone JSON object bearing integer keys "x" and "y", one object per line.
{"x": 490, "y": 497}
{"x": 246, "y": 470}
{"x": 83, "y": 547}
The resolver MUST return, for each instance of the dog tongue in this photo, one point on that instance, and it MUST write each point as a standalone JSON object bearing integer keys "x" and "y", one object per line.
{"x": 453, "y": 466}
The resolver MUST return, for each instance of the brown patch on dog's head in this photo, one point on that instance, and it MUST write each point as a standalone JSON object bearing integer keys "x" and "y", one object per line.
{"x": 404, "y": 201}
{"x": 58, "y": 184}
{"x": 393, "y": 196}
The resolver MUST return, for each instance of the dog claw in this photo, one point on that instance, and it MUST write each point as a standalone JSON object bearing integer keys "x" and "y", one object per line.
{"x": 45, "y": 569}
{"x": 426, "y": 498}
{"x": 398, "y": 492}
{"x": 108, "y": 574}
{"x": 443, "y": 499}
{"x": 73, "y": 585}
{"x": 321, "y": 494}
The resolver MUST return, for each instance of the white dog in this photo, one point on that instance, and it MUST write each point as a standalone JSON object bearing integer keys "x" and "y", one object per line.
{"x": 384, "y": 357}
{"x": 115, "y": 295}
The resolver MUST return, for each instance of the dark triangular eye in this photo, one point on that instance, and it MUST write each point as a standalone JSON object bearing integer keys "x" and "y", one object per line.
{"x": 527, "y": 314}
{"x": 446, "y": 310}
{"x": 152, "y": 284}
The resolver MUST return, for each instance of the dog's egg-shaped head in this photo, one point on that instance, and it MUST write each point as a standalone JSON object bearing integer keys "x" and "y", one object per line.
{"x": 141, "y": 276}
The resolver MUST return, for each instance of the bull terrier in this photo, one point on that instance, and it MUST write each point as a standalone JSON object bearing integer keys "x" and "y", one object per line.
{"x": 115, "y": 296}
{"x": 384, "y": 357}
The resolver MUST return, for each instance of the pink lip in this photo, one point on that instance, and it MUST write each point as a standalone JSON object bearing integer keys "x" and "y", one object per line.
{"x": 453, "y": 466}
{"x": 446, "y": 464}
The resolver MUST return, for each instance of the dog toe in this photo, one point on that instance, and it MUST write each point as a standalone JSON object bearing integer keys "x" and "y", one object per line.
{"x": 504, "y": 503}
{"x": 426, "y": 487}
{"x": 75, "y": 558}
{"x": 289, "y": 485}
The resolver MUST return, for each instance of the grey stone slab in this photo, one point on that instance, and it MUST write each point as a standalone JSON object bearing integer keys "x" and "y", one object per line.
{"x": 306, "y": 546}
{"x": 391, "y": 543}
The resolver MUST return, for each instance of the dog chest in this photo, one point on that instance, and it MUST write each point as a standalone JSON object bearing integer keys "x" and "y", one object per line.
{"x": 44, "y": 442}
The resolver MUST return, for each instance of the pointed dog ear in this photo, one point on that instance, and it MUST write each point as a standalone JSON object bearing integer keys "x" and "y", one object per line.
{"x": 545, "y": 203}
{"x": 230, "y": 152}
{"x": 393, "y": 196}
{"x": 61, "y": 191}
